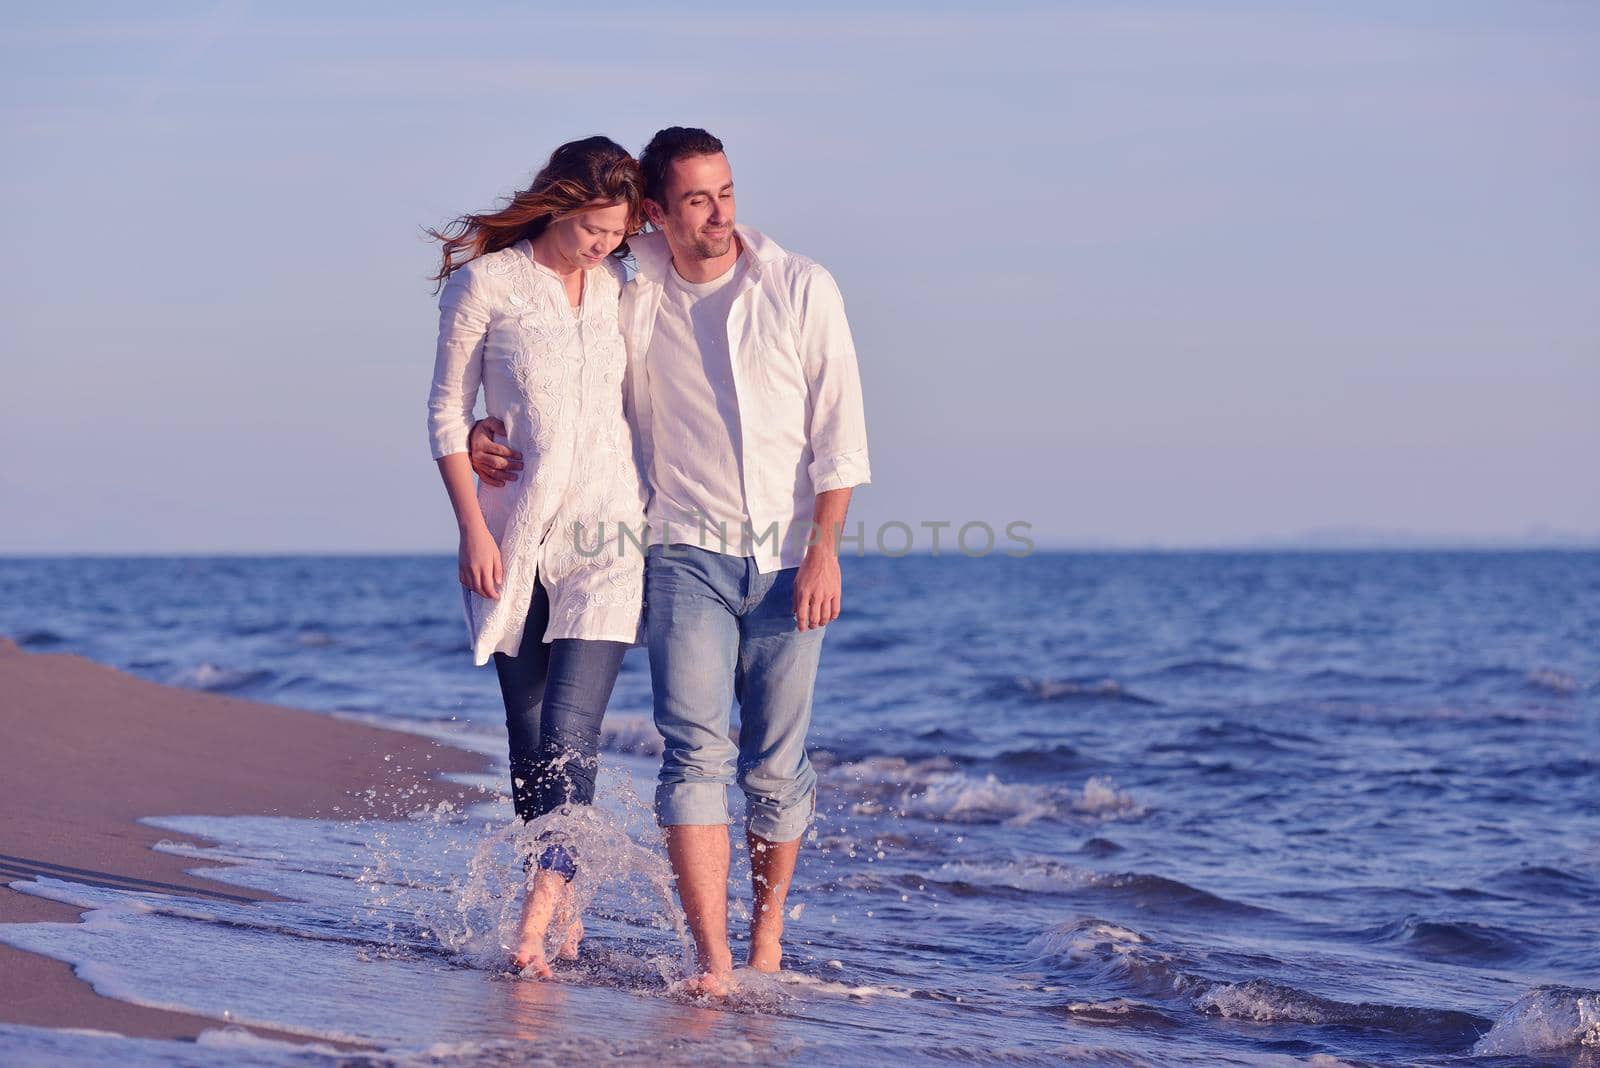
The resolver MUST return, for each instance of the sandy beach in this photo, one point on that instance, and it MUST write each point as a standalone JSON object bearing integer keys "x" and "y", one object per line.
{"x": 92, "y": 750}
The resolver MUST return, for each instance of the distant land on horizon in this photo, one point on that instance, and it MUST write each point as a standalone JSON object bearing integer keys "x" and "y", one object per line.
{"x": 1348, "y": 538}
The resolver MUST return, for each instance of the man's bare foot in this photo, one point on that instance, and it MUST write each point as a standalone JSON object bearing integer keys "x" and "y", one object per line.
{"x": 766, "y": 953}
{"x": 766, "y": 938}
{"x": 771, "y": 870}
{"x": 537, "y": 909}
{"x": 714, "y": 978}
{"x": 709, "y": 984}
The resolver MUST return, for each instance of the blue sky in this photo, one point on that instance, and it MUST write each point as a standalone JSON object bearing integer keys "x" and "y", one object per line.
{"x": 1139, "y": 274}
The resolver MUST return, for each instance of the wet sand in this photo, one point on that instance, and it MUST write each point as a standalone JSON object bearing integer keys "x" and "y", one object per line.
{"x": 89, "y": 750}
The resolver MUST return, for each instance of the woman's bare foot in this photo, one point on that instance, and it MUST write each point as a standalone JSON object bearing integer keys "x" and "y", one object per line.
{"x": 537, "y": 909}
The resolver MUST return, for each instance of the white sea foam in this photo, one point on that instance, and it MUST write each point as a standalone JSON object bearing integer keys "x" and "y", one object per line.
{"x": 1557, "y": 682}
{"x": 49, "y": 1047}
{"x": 207, "y": 676}
{"x": 960, "y": 799}
{"x": 814, "y": 985}
{"x": 1047, "y": 689}
{"x": 1263, "y": 1003}
{"x": 1101, "y": 797}
{"x": 935, "y": 789}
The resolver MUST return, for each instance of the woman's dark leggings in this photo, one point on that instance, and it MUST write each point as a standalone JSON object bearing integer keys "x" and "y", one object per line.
{"x": 555, "y": 696}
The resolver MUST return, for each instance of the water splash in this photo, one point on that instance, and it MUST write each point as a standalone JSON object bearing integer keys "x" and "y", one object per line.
{"x": 1545, "y": 1019}
{"x": 457, "y": 887}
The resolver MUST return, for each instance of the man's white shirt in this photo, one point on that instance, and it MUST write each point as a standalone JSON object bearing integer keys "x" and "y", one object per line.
{"x": 796, "y": 424}
{"x": 695, "y": 412}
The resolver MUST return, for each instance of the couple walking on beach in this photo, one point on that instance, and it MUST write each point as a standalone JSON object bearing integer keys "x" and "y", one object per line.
{"x": 687, "y": 440}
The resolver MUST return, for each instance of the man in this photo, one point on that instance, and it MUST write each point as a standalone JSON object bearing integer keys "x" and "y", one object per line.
{"x": 746, "y": 399}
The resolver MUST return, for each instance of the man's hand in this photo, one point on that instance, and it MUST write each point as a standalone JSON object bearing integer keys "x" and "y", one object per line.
{"x": 494, "y": 463}
{"x": 818, "y": 588}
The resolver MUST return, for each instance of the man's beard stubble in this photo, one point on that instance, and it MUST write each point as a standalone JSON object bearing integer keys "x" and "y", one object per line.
{"x": 711, "y": 248}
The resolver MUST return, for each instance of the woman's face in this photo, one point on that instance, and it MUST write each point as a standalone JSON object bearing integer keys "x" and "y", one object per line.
{"x": 583, "y": 239}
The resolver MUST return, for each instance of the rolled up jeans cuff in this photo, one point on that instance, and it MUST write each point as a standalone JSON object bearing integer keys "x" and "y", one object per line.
{"x": 783, "y": 824}
{"x": 557, "y": 858}
{"x": 695, "y": 804}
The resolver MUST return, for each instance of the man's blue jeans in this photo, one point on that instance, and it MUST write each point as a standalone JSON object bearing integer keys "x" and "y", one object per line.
{"x": 719, "y": 630}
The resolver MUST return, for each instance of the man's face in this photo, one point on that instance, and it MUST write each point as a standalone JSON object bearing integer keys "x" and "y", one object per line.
{"x": 698, "y": 214}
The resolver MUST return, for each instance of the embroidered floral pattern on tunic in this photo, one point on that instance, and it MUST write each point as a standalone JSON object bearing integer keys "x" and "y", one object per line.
{"x": 553, "y": 375}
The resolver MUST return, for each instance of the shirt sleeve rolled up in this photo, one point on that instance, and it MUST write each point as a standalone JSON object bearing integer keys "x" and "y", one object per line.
{"x": 838, "y": 427}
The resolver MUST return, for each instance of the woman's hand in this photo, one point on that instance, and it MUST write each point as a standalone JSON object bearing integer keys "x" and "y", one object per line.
{"x": 479, "y": 562}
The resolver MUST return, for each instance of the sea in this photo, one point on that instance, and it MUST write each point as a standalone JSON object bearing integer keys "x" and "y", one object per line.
{"x": 1220, "y": 808}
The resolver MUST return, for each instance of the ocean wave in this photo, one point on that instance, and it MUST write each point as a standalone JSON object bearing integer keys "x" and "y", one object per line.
{"x": 1148, "y": 891}
{"x": 1537, "y": 682}
{"x": 947, "y": 736}
{"x": 1098, "y": 689}
{"x": 1552, "y": 681}
{"x": 1263, "y": 1001}
{"x": 216, "y": 678}
{"x": 958, "y": 798}
{"x": 1134, "y": 963}
{"x": 1452, "y": 941}
{"x": 1100, "y": 847}
{"x": 1086, "y": 939}
{"x": 871, "y": 641}
{"x": 1544, "y": 1020}
{"x": 424, "y": 621}
{"x": 1204, "y": 668}
{"x": 1123, "y": 1012}
{"x": 1218, "y": 734}
{"x": 813, "y": 984}
{"x": 1336, "y": 677}
{"x": 256, "y": 627}
{"x": 935, "y": 789}
{"x": 1044, "y": 875}
{"x": 1546, "y": 883}
{"x": 1100, "y": 797}
{"x": 41, "y": 638}
{"x": 1036, "y": 875}
{"x": 1052, "y": 758}
{"x": 1113, "y": 955}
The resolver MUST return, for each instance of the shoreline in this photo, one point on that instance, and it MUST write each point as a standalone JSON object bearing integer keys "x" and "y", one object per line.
{"x": 95, "y": 750}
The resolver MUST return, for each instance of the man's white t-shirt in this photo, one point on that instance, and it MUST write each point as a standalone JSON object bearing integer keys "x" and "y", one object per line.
{"x": 695, "y": 468}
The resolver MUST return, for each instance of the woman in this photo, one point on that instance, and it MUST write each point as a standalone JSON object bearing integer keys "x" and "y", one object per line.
{"x": 529, "y": 312}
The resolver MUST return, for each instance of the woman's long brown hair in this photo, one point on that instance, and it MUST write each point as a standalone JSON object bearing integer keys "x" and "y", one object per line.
{"x": 595, "y": 170}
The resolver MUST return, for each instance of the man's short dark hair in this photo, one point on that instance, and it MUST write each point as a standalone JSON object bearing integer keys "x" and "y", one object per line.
{"x": 666, "y": 148}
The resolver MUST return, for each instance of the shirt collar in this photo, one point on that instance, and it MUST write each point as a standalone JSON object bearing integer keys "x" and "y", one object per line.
{"x": 654, "y": 258}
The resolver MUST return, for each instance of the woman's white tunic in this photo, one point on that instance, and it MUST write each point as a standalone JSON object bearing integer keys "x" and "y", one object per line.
{"x": 554, "y": 376}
